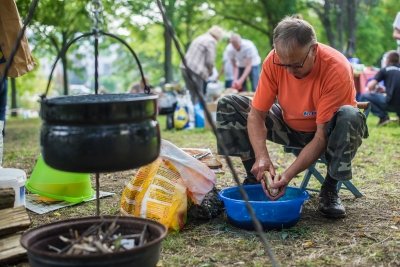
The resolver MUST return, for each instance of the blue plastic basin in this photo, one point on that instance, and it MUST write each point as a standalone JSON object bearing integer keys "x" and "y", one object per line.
{"x": 282, "y": 213}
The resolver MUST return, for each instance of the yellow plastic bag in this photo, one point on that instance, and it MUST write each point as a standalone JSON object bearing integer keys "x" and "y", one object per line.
{"x": 160, "y": 190}
{"x": 157, "y": 192}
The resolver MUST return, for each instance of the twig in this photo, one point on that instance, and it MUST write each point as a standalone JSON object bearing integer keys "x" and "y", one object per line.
{"x": 101, "y": 238}
{"x": 142, "y": 236}
{"x": 102, "y": 247}
{"x": 54, "y": 248}
{"x": 89, "y": 231}
{"x": 380, "y": 242}
{"x": 111, "y": 230}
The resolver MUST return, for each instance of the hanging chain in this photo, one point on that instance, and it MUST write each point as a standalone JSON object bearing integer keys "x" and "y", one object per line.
{"x": 96, "y": 8}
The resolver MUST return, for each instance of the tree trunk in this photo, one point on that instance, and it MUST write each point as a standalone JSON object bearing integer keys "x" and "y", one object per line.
{"x": 14, "y": 112}
{"x": 326, "y": 21}
{"x": 274, "y": 11}
{"x": 168, "y": 57}
{"x": 340, "y": 9}
{"x": 169, "y": 9}
{"x": 351, "y": 15}
{"x": 324, "y": 13}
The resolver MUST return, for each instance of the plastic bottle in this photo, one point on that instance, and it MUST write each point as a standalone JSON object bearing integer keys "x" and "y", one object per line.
{"x": 190, "y": 109}
{"x": 170, "y": 121}
{"x": 199, "y": 115}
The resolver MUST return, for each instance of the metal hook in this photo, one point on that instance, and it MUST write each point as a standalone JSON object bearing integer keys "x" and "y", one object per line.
{"x": 95, "y": 7}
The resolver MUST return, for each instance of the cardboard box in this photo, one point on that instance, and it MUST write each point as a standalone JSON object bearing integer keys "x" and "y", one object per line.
{"x": 212, "y": 108}
{"x": 247, "y": 94}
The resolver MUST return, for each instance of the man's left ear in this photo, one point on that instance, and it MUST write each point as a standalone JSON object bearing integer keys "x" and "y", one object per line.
{"x": 315, "y": 48}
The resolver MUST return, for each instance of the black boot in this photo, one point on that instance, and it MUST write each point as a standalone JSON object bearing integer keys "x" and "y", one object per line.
{"x": 330, "y": 204}
{"x": 250, "y": 178}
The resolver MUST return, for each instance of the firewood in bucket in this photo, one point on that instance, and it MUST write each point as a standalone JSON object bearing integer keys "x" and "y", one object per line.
{"x": 100, "y": 239}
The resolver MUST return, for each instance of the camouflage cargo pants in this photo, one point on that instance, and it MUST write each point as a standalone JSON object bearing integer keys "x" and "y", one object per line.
{"x": 345, "y": 132}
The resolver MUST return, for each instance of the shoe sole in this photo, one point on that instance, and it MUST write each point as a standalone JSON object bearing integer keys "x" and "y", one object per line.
{"x": 383, "y": 123}
{"x": 332, "y": 216}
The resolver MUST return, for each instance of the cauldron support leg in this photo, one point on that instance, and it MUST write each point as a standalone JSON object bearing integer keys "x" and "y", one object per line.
{"x": 97, "y": 194}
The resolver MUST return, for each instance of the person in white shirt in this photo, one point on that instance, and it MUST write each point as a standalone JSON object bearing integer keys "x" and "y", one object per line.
{"x": 396, "y": 30}
{"x": 227, "y": 67}
{"x": 246, "y": 62}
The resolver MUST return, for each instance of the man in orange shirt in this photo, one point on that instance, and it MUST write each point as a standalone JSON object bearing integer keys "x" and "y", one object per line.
{"x": 305, "y": 98}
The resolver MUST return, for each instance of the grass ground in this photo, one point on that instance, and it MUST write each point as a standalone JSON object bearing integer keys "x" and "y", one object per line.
{"x": 369, "y": 236}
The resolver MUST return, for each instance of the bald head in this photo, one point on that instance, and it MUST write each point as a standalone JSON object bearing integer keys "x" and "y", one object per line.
{"x": 236, "y": 41}
{"x": 292, "y": 33}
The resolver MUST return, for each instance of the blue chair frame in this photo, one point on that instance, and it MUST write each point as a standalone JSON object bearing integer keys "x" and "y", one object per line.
{"x": 312, "y": 171}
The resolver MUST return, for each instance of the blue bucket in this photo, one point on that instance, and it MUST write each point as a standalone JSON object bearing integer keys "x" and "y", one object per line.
{"x": 282, "y": 213}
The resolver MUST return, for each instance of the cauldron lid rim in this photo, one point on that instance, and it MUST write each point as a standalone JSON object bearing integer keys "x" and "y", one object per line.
{"x": 100, "y": 98}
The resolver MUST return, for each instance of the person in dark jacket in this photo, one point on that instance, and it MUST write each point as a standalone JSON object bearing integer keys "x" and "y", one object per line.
{"x": 382, "y": 103}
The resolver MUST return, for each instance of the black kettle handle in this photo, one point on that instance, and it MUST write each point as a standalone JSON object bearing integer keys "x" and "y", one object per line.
{"x": 65, "y": 48}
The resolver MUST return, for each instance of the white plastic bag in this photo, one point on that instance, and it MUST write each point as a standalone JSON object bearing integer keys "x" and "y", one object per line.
{"x": 214, "y": 91}
{"x": 197, "y": 177}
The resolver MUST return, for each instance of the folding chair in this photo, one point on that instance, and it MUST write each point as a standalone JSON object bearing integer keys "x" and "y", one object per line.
{"x": 312, "y": 171}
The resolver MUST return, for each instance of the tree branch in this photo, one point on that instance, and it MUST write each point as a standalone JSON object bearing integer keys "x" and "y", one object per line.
{"x": 248, "y": 23}
{"x": 53, "y": 41}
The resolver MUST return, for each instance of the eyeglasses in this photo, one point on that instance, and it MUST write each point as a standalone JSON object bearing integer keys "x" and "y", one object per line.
{"x": 293, "y": 66}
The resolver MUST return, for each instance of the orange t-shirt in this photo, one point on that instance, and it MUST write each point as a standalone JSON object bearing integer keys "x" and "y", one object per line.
{"x": 315, "y": 98}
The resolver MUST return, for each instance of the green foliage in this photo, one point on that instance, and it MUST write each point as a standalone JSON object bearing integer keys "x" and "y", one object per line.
{"x": 55, "y": 22}
{"x": 253, "y": 19}
{"x": 139, "y": 23}
{"x": 149, "y": 49}
{"x": 374, "y": 31}
{"x": 29, "y": 88}
{"x": 369, "y": 50}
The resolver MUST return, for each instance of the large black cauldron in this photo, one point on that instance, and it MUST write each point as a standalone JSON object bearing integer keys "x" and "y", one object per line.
{"x": 99, "y": 133}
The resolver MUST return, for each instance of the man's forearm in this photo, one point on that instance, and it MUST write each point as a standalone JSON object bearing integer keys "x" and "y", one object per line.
{"x": 235, "y": 70}
{"x": 371, "y": 85}
{"x": 245, "y": 73}
{"x": 257, "y": 134}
